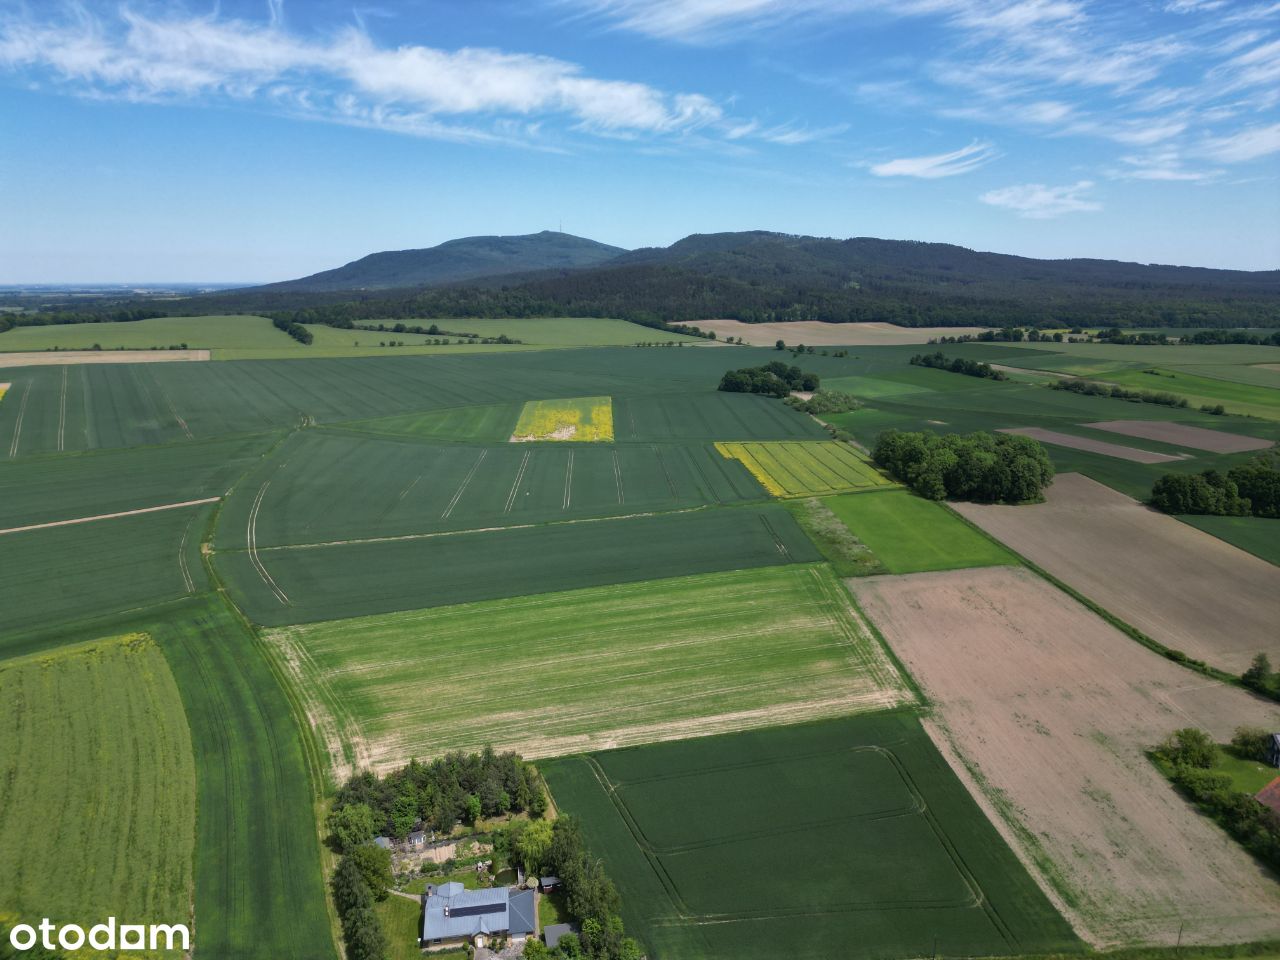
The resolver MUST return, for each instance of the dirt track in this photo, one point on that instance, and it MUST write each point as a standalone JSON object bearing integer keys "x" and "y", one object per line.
{"x": 1179, "y": 434}
{"x": 1178, "y": 585}
{"x": 53, "y": 358}
{"x": 814, "y": 333}
{"x": 1045, "y": 710}
{"x": 1092, "y": 446}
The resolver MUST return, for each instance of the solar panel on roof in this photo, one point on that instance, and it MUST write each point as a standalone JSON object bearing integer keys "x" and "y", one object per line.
{"x": 477, "y": 910}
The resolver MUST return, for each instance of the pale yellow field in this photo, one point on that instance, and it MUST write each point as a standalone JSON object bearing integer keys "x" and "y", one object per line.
{"x": 805, "y": 469}
{"x": 577, "y": 418}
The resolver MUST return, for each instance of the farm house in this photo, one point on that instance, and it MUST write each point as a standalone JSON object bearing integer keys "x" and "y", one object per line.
{"x": 454, "y": 916}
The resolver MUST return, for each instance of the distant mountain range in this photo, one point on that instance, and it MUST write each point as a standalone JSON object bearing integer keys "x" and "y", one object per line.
{"x": 455, "y": 261}
{"x": 760, "y": 276}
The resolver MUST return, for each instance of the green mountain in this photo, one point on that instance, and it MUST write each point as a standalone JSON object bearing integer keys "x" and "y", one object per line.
{"x": 456, "y": 260}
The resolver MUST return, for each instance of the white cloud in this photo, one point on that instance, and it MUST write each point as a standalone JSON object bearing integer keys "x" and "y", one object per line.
{"x": 939, "y": 164}
{"x": 346, "y": 77}
{"x": 1039, "y": 202}
{"x": 1248, "y": 144}
{"x": 1162, "y": 165}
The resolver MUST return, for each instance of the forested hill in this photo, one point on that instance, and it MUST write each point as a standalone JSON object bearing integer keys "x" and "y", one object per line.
{"x": 759, "y": 276}
{"x": 455, "y": 261}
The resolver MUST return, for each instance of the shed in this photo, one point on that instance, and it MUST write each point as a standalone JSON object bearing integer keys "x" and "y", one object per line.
{"x": 548, "y": 884}
{"x": 553, "y": 933}
{"x": 1269, "y": 796}
{"x": 1273, "y": 750}
{"x": 383, "y": 842}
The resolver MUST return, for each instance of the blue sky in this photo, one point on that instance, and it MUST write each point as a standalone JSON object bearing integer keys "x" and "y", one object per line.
{"x": 250, "y": 140}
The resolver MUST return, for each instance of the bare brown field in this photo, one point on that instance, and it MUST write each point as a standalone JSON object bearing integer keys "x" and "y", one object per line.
{"x": 1045, "y": 711}
{"x": 1180, "y": 586}
{"x": 814, "y": 333}
{"x": 1092, "y": 446}
{"x": 1178, "y": 434}
{"x": 51, "y": 358}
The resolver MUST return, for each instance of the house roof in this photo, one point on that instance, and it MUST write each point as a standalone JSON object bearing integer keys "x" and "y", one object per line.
{"x": 549, "y": 881}
{"x": 553, "y": 933}
{"x": 523, "y": 910}
{"x": 1269, "y": 796}
{"x": 457, "y": 913}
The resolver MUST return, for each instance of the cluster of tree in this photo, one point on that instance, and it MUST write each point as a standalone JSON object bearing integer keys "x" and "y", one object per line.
{"x": 1190, "y": 755}
{"x": 57, "y": 317}
{"x": 774, "y": 379}
{"x": 590, "y": 895}
{"x": 825, "y": 401}
{"x": 1091, "y": 388}
{"x": 970, "y": 368}
{"x": 1248, "y": 489}
{"x": 354, "y": 896}
{"x": 457, "y": 788}
{"x": 986, "y": 467}
{"x": 295, "y": 330}
{"x": 1261, "y": 678}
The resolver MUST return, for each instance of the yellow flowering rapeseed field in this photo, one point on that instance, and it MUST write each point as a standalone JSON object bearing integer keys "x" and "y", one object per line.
{"x": 577, "y": 418}
{"x": 805, "y": 469}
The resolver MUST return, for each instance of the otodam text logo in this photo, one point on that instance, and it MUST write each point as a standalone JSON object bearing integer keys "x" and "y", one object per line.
{"x": 109, "y": 935}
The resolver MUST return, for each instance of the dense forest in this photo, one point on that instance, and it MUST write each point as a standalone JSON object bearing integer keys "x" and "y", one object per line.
{"x": 759, "y": 276}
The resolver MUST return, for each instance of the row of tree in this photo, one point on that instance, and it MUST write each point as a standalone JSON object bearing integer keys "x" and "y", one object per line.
{"x": 970, "y": 368}
{"x": 1191, "y": 755}
{"x": 986, "y": 467}
{"x": 1091, "y": 388}
{"x": 1248, "y": 489}
{"x": 774, "y": 379}
{"x": 295, "y": 330}
{"x": 456, "y": 788}
{"x": 354, "y": 896}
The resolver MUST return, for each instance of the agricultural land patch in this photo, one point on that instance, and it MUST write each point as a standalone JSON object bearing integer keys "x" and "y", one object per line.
{"x": 1181, "y": 587}
{"x": 1046, "y": 711}
{"x": 602, "y": 667}
{"x": 890, "y": 856}
{"x": 806, "y": 469}
{"x": 1093, "y": 446}
{"x": 1183, "y": 435}
{"x": 97, "y": 782}
{"x": 583, "y": 419}
{"x": 909, "y": 534}
{"x": 302, "y": 584}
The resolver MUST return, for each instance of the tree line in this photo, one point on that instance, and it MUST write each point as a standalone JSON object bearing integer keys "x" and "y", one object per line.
{"x": 984, "y": 467}
{"x": 970, "y": 368}
{"x": 1091, "y": 388}
{"x": 1189, "y": 756}
{"x": 59, "y": 317}
{"x": 295, "y": 330}
{"x": 558, "y": 849}
{"x": 1248, "y": 489}
{"x": 363, "y": 876}
{"x": 774, "y": 379}
{"x": 456, "y": 788}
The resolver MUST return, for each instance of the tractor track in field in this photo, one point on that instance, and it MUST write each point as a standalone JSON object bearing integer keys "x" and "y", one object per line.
{"x": 110, "y": 516}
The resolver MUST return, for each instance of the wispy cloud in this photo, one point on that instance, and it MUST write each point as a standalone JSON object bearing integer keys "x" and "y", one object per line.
{"x": 1036, "y": 201}
{"x": 939, "y": 164}
{"x": 346, "y": 77}
{"x": 1248, "y": 144}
